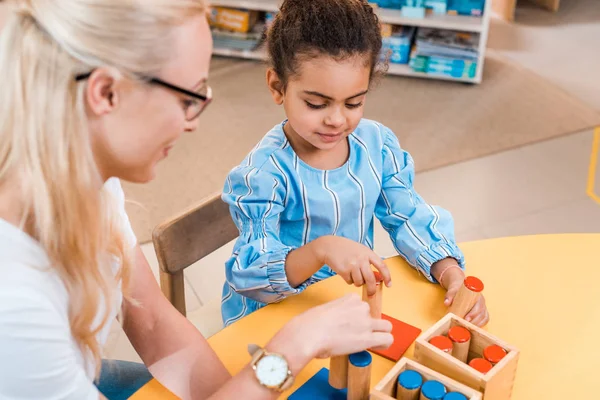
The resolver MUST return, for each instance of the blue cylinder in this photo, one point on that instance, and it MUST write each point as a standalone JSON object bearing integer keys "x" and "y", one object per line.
{"x": 455, "y": 396}
{"x": 410, "y": 380}
{"x": 361, "y": 359}
{"x": 433, "y": 390}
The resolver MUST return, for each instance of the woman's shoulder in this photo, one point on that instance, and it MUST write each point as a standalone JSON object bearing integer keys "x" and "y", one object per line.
{"x": 25, "y": 267}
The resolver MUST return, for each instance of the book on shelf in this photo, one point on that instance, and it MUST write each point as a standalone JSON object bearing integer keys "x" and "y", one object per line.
{"x": 447, "y": 43}
{"x": 223, "y": 38}
{"x": 445, "y": 52}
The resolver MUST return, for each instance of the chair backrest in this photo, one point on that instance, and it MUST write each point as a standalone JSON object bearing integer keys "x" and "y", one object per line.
{"x": 188, "y": 237}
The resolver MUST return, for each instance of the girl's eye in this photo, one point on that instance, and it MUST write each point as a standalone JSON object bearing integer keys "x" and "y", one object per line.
{"x": 352, "y": 106}
{"x": 315, "y": 106}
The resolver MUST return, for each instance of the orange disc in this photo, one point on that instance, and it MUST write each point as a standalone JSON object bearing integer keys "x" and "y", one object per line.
{"x": 494, "y": 353}
{"x": 473, "y": 284}
{"x": 459, "y": 334}
{"x": 442, "y": 343}
{"x": 378, "y": 276}
{"x": 481, "y": 365}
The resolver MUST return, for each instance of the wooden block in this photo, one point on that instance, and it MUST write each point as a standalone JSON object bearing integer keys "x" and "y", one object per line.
{"x": 338, "y": 371}
{"x": 318, "y": 388}
{"x": 359, "y": 375}
{"x": 404, "y": 335}
{"x": 386, "y": 388}
{"x": 467, "y": 296}
{"x": 376, "y": 301}
{"x": 496, "y": 384}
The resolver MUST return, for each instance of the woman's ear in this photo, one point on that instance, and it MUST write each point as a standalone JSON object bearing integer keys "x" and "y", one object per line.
{"x": 102, "y": 92}
{"x": 275, "y": 86}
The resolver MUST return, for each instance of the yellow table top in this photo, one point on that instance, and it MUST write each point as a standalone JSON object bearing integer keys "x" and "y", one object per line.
{"x": 539, "y": 291}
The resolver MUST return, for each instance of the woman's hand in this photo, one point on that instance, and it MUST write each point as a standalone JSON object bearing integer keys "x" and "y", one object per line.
{"x": 342, "y": 326}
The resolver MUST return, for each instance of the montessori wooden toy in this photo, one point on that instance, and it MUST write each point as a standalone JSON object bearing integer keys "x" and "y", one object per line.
{"x": 403, "y": 333}
{"x": 386, "y": 388}
{"x": 375, "y": 301}
{"x": 433, "y": 390}
{"x": 461, "y": 341}
{"x": 359, "y": 375}
{"x": 494, "y": 353}
{"x": 495, "y": 384}
{"x": 409, "y": 385}
{"x": 481, "y": 364}
{"x": 455, "y": 396}
{"x": 466, "y": 297}
{"x": 442, "y": 343}
{"x": 338, "y": 371}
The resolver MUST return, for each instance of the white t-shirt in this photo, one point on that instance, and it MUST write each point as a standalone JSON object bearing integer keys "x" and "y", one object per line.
{"x": 39, "y": 358}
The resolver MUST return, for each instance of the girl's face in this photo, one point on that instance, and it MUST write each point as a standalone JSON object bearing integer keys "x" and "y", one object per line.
{"x": 324, "y": 101}
{"x": 136, "y": 124}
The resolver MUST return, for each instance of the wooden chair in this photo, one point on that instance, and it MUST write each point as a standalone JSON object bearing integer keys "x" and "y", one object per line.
{"x": 187, "y": 238}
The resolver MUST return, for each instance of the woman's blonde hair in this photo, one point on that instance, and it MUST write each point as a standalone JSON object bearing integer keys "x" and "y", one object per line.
{"x": 45, "y": 139}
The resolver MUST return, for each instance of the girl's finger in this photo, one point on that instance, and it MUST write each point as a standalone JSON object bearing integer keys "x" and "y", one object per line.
{"x": 369, "y": 278}
{"x": 357, "y": 277}
{"x": 382, "y": 268}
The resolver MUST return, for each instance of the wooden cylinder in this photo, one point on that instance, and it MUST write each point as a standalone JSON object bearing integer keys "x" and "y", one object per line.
{"x": 455, "y": 396}
{"x": 433, "y": 390}
{"x": 409, "y": 385}
{"x": 467, "y": 296}
{"x": 494, "y": 354}
{"x": 442, "y": 343}
{"x": 359, "y": 375}
{"x": 338, "y": 372}
{"x": 376, "y": 301}
{"x": 481, "y": 364}
{"x": 461, "y": 341}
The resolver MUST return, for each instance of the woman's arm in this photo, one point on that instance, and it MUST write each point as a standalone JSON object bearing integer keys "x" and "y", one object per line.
{"x": 174, "y": 350}
{"x": 342, "y": 326}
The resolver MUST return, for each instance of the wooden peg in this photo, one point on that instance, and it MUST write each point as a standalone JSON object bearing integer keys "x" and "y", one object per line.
{"x": 376, "y": 301}
{"x": 467, "y": 296}
{"x": 433, "y": 390}
{"x": 409, "y": 385}
{"x": 494, "y": 353}
{"x": 359, "y": 375}
{"x": 461, "y": 341}
{"x": 338, "y": 371}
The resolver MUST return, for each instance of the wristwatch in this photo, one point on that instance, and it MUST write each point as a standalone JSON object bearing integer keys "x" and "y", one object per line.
{"x": 271, "y": 369}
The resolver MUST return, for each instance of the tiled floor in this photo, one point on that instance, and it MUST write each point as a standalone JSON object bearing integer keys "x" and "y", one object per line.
{"x": 532, "y": 190}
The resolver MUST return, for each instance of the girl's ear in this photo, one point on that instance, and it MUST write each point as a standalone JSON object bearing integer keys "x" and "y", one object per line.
{"x": 275, "y": 86}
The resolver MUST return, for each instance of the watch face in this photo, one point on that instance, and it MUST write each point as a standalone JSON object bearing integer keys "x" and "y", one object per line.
{"x": 272, "y": 370}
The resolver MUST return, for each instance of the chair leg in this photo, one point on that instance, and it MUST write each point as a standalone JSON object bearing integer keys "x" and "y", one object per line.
{"x": 173, "y": 288}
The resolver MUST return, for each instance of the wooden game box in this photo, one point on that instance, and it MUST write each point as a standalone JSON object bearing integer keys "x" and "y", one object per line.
{"x": 386, "y": 388}
{"x": 496, "y": 384}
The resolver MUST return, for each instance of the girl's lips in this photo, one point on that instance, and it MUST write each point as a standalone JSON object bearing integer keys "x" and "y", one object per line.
{"x": 329, "y": 137}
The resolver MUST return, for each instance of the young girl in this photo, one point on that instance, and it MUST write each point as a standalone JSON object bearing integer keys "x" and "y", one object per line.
{"x": 305, "y": 198}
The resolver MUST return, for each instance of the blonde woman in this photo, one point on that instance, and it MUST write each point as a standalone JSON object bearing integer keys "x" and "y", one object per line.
{"x": 94, "y": 91}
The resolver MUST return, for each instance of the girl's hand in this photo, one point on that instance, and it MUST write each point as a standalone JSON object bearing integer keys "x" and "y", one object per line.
{"x": 352, "y": 261}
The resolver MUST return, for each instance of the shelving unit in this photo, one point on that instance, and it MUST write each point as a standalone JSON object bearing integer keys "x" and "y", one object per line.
{"x": 480, "y": 25}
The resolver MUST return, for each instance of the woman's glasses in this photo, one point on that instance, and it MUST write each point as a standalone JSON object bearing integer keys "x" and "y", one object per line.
{"x": 193, "y": 108}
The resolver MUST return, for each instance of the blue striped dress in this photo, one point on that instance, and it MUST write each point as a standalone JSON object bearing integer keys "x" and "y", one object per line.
{"x": 280, "y": 203}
